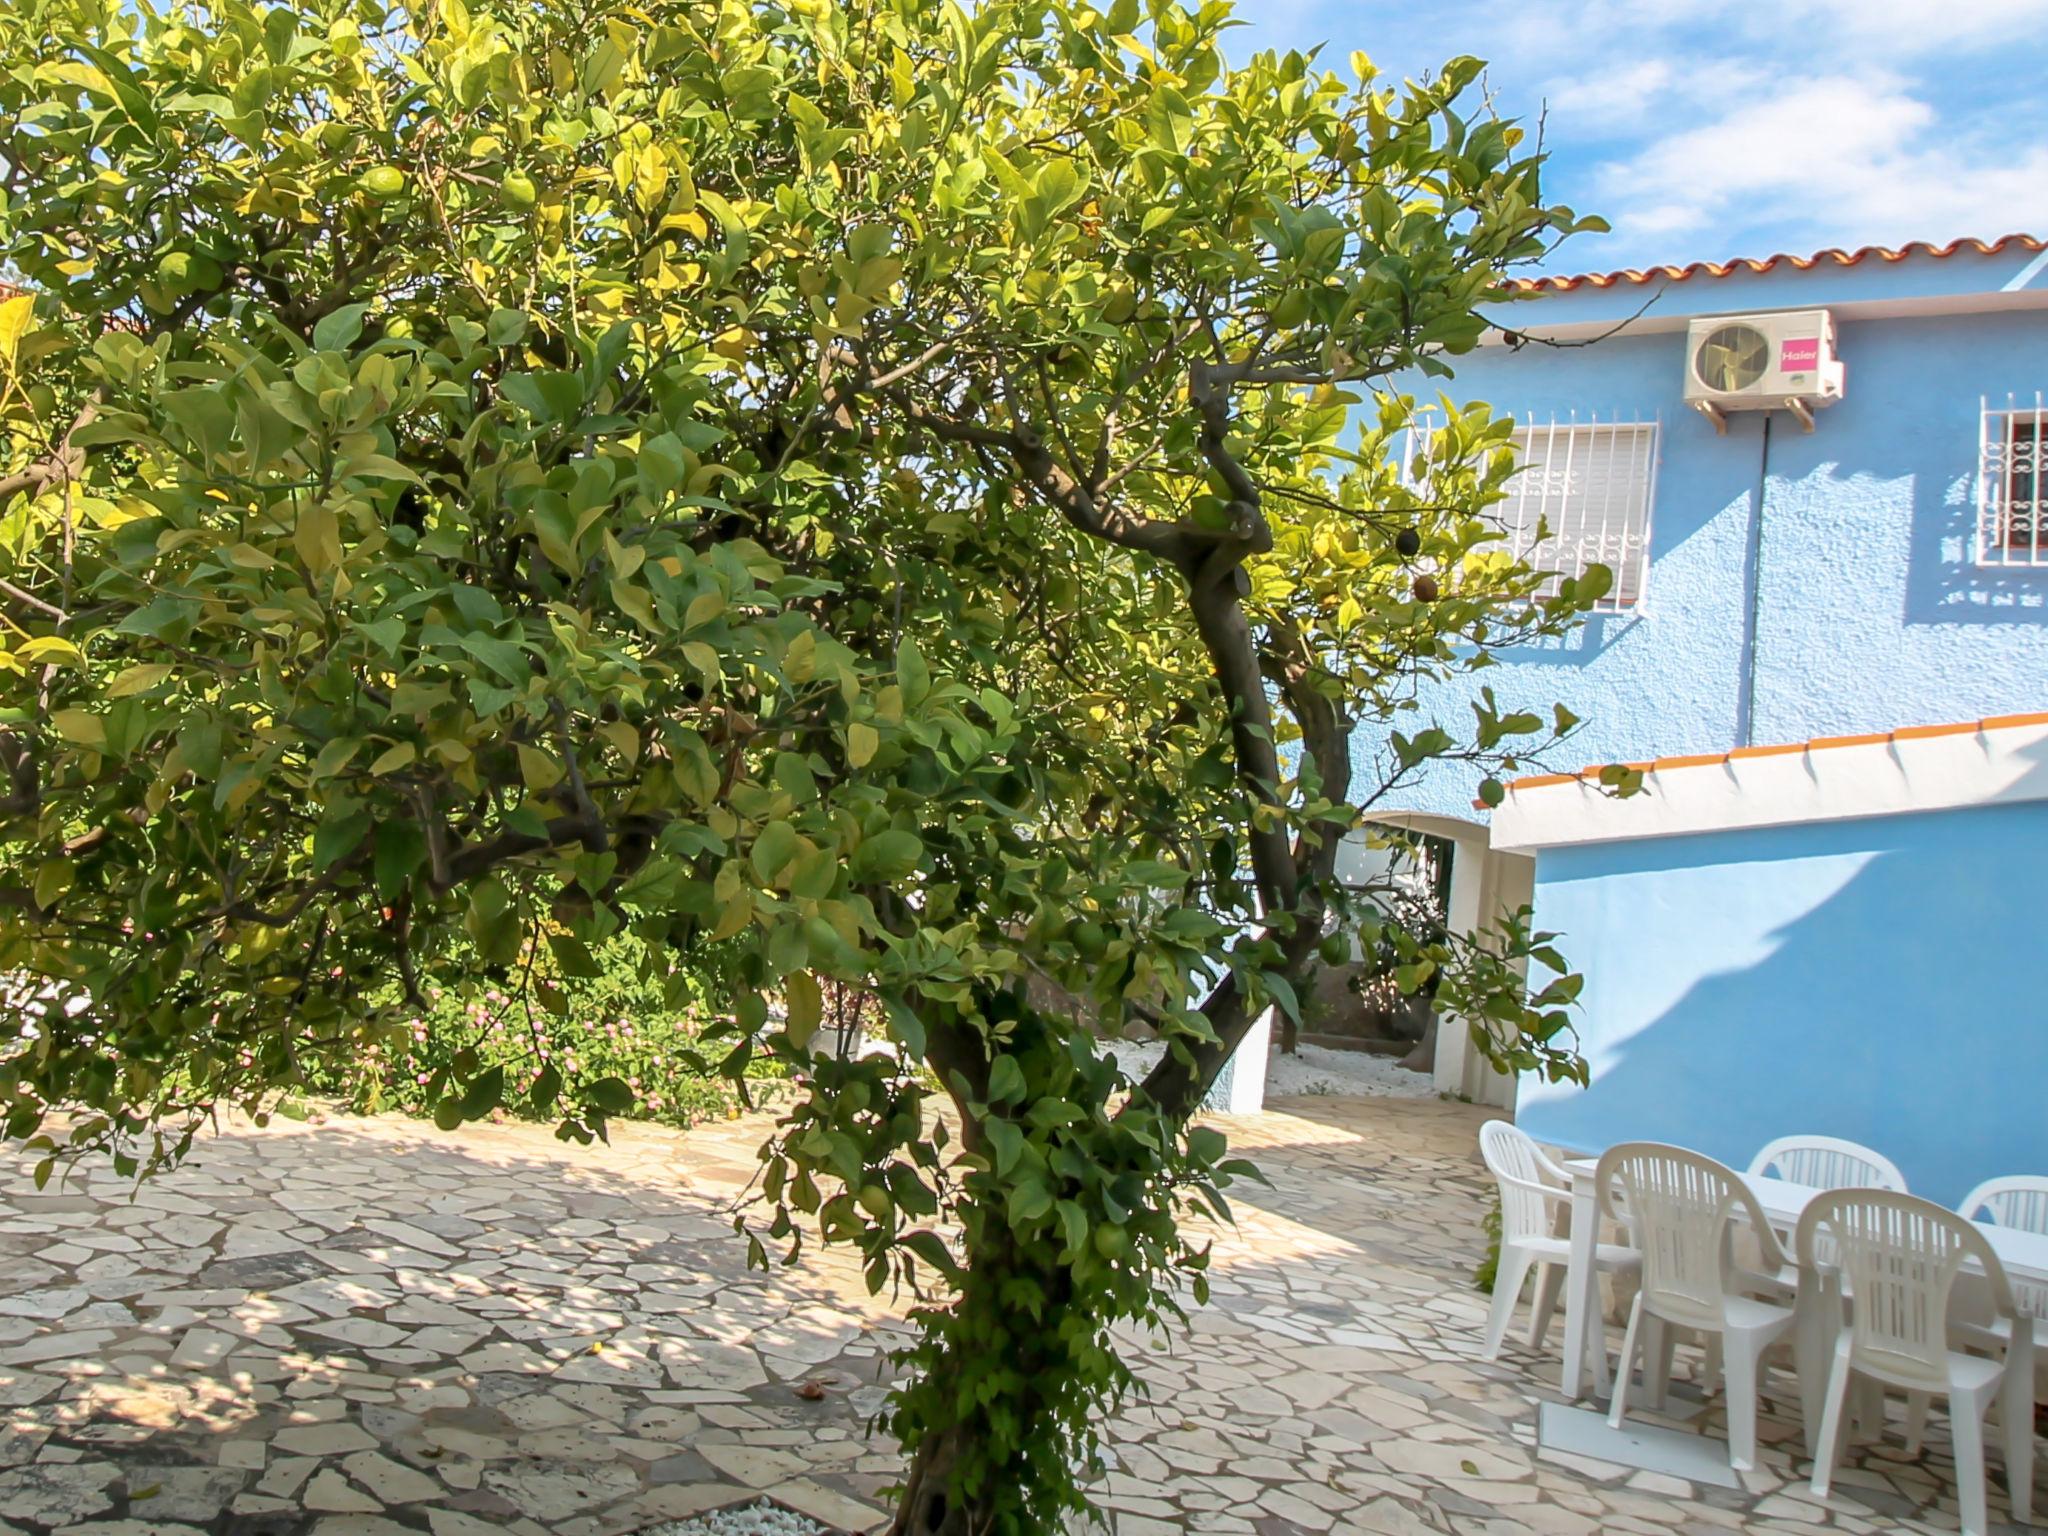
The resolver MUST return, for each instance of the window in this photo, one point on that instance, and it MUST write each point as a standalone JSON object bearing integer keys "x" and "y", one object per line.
{"x": 1582, "y": 497}
{"x": 2012, "y": 521}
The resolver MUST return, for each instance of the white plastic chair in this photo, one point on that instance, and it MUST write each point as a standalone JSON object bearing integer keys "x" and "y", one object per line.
{"x": 1680, "y": 1208}
{"x": 2019, "y": 1201}
{"x": 1826, "y": 1162}
{"x": 1532, "y": 1190}
{"x": 1902, "y": 1256}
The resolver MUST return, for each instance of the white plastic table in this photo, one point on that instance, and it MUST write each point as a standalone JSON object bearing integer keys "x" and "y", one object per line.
{"x": 2024, "y": 1255}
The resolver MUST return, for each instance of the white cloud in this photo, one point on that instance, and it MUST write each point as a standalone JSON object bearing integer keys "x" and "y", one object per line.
{"x": 1605, "y": 96}
{"x": 1905, "y": 27}
{"x": 1861, "y": 157}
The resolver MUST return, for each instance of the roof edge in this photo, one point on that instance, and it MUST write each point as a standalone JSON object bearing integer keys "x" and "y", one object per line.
{"x": 1836, "y": 256}
{"x": 2002, "y": 759}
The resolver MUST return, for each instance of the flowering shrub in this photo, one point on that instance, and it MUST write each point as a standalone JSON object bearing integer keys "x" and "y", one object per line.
{"x": 617, "y": 1036}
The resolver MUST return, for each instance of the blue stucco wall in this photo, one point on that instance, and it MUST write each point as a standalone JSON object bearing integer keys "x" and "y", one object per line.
{"x": 1873, "y": 979}
{"x": 1869, "y": 613}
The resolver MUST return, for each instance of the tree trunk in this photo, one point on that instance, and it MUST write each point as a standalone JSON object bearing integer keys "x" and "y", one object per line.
{"x": 1423, "y": 1057}
{"x": 956, "y": 1433}
{"x": 925, "y": 1509}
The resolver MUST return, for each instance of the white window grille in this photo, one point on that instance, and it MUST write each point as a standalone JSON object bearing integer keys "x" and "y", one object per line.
{"x": 2012, "y": 509}
{"x": 1582, "y": 496}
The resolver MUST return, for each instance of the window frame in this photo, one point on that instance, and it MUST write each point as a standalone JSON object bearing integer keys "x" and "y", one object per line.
{"x": 1620, "y": 599}
{"x": 2001, "y": 465}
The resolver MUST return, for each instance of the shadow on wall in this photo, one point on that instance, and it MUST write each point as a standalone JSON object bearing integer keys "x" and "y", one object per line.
{"x": 1944, "y": 582}
{"x": 1875, "y": 980}
{"x": 1599, "y": 634}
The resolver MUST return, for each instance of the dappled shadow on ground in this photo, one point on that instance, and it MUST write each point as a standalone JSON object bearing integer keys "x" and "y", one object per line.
{"x": 366, "y": 1328}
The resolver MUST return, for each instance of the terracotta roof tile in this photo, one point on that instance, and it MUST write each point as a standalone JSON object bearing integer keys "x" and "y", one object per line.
{"x": 1841, "y": 258}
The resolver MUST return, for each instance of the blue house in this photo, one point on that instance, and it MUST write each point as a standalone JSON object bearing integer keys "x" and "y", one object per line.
{"x": 1821, "y": 915}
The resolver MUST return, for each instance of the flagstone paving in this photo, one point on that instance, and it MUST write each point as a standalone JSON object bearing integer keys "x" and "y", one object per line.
{"x": 366, "y": 1327}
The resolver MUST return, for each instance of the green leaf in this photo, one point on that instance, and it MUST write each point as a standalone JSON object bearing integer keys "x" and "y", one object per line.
{"x": 400, "y": 848}
{"x": 1005, "y": 1081}
{"x": 889, "y": 855}
{"x": 484, "y": 1094}
{"x": 338, "y": 837}
{"x": 912, "y": 674}
{"x": 610, "y": 1094}
{"x": 505, "y": 327}
{"x": 547, "y": 1087}
{"x": 336, "y": 332}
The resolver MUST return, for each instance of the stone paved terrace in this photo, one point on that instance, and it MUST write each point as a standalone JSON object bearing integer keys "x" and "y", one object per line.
{"x": 366, "y": 1327}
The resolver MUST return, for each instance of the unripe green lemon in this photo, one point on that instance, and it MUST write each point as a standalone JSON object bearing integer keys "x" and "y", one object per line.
{"x": 383, "y": 181}
{"x": 1335, "y": 948}
{"x": 1111, "y": 1241}
{"x": 1090, "y": 939}
{"x": 520, "y": 192}
{"x": 876, "y": 1202}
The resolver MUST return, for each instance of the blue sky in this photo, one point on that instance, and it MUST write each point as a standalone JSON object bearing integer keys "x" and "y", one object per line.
{"x": 1706, "y": 129}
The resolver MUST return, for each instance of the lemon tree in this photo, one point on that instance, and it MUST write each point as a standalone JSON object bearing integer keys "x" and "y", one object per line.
{"x": 890, "y": 500}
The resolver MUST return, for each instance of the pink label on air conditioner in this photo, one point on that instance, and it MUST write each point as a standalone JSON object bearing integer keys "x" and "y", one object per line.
{"x": 1799, "y": 354}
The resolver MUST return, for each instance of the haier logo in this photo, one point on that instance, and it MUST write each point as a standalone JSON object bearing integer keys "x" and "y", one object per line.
{"x": 1799, "y": 354}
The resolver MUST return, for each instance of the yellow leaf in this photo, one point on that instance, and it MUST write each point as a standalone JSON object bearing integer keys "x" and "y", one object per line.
{"x": 800, "y": 661}
{"x": 805, "y": 1003}
{"x": 624, "y": 739}
{"x": 15, "y": 314}
{"x": 81, "y": 726}
{"x": 50, "y": 649}
{"x": 317, "y": 537}
{"x": 394, "y": 758}
{"x": 861, "y": 741}
{"x": 53, "y": 879}
{"x": 540, "y": 771}
{"x": 635, "y": 604}
{"x": 737, "y": 914}
{"x": 249, "y": 557}
{"x": 625, "y": 558}
{"x": 704, "y": 607}
{"x": 138, "y": 679}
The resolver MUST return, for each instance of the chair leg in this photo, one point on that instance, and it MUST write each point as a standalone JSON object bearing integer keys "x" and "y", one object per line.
{"x": 1740, "y": 1354}
{"x": 1916, "y": 1421}
{"x": 2016, "y": 1420}
{"x": 1829, "y": 1449}
{"x": 1627, "y": 1363}
{"x": 1549, "y": 1281}
{"x": 1659, "y": 1343}
{"x": 1710, "y": 1367}
{"x": 1966, "y": 1428}
{"x": 1866, "y": 1416}
{"x": 1507, "y": 1289}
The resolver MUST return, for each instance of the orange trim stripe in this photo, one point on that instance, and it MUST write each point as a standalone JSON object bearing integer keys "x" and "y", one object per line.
{"x": 1838, "y": 257}
{"x": 1817, "y": 744}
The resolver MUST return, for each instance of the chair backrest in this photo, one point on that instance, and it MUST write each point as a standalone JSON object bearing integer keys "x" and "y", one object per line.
{"x": 1826, "y": 1162}
{"x": 1517, "y": 1163}
{"x": 1678, "y": 1206}
{"x": 2018, "y": 1200}
{"x": 1900, "y": 1256}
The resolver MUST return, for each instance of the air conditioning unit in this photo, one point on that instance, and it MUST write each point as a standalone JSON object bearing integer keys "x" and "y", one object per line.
{"x": 1778, "y": 362}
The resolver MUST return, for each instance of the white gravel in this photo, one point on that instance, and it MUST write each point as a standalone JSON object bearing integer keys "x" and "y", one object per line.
{"x": 1313, "y": 1070}
{"x": 758, "y": 1519}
